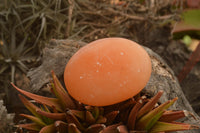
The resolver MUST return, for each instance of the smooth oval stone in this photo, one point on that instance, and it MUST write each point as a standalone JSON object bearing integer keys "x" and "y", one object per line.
{"x": 107, "y": 71}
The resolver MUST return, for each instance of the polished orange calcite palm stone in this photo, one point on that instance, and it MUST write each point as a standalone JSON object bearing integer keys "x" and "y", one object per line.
{"x": 107, "y": 71}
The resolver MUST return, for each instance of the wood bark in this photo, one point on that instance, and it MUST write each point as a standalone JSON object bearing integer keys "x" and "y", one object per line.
{"x": 6, "y": 119}
{"x": 58, "y": 52}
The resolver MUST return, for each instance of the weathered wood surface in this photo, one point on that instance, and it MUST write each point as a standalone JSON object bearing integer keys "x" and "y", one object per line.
{"x": 58, "y": 52}
{"x": 6, "y": 119}
{"x": 163, "y": 78}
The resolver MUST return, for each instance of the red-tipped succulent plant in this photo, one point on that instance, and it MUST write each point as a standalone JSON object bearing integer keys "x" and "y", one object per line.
{"x": 98, "y": 100}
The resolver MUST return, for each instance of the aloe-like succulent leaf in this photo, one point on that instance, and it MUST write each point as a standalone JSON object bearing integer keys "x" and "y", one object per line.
{"x": 111, "y": 117}
{"x": 89, "y": 118}
{"x": 111, "y": 129}
{"x": 61, "y": 126}
{"x": 32, "y": 132}
{"x": 79, "y": 105}
{"x": 133, "y": 114}
{"x": 148, "y": 120}
{"x": 170, "y": 116}
{"x": 101, "y": 111}
{"x": 30, "y": 126}
{"x": 136, "y": 131}
{"x": 45, "y": 108}
{"x": 71, "y": 118}
{"x": 95, "y": 112}
{"x": 31, "y": 107}
{"x": 34, "y": 119}
{"x": 47, "y": 120}
{"x": 120, "y": 106}
{"x": 52, "y": 102}
{"x": 170, "y": 127}
{"x": 54, "y": 116}
{"x": 62, "y": 94}
{"x": 122, "y": 129}
{"x": 96, "y": 128}
{"x": 129, "y": 103}
{"x": 72, "y": 128}
{"x": 48, "y": 129}
{"x": 101, "y": 120}
{"x": 51, "y": 87}
{"x": 89, "y": 108}
{"x": 150, "y": 105}
{"x": 79, "y": 114}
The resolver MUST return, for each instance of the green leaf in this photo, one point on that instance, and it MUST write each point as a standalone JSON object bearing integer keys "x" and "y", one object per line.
{"x": 31, "y": 107}
{"x": 190, "y": 24}
{"x": 147, "y": 121}
{"x": 34, "y": 119}
{"x": 62, "y": 94}
{"x": 187, "y": 40}
{"x": 170, "y": 127}
{"x": 191, "y": 17}
{"x": 95, "y": 112}
{"x": 133, "y": 114}
{"x": 150, "y": 105}
{"x": 30, "y": 126}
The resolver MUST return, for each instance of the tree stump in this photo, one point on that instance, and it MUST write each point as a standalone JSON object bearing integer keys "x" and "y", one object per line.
{"x": 58, "y": 52}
